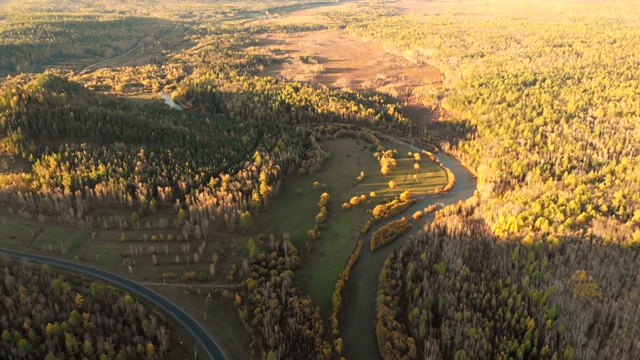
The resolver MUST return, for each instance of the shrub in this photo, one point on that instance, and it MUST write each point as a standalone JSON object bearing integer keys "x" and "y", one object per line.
{"x": 390, "y": 209}
{"x": 388, "y": 233}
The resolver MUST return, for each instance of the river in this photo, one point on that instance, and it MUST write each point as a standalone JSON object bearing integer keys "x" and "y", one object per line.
{"x": 357, "y": 318}
{"x": 166, "y": 96}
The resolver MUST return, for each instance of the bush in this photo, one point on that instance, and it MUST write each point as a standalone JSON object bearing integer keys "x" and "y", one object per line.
{"x": 392, "y": 208}
{"x": 169, "y": 275}
{"x": 388, "y": 233}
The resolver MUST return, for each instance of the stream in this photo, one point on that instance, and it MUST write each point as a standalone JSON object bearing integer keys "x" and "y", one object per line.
{"x": 166, "y": 96}
{"x": 357, "y": 318}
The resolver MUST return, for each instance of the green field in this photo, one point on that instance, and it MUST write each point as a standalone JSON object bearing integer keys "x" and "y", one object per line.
{"x": 293, "y": 211}
{"x": 295, "y": 208}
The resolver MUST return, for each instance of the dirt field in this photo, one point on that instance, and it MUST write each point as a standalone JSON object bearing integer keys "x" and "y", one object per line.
{"x": 341, "y": 60}
{"x": 338, "y": 60}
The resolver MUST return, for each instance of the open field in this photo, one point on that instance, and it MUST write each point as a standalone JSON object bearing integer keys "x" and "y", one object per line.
{"x": 293, "y": 211}
{"x": 339, "y": 60}
{"x": 346, "y": 61}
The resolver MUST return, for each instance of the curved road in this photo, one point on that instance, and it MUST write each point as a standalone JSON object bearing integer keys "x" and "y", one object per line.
{"x": 198, "y": 332}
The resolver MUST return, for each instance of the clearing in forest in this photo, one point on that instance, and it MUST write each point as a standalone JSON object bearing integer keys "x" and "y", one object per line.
{"x": 337, "y": 59}
{"x": 296, "y": 206}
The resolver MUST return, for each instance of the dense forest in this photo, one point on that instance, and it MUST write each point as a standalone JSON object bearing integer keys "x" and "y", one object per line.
{"x": 48, "y": 315}
{"x": 546, "y": 113}
{"x": 541, "y": 103}
{"x": 283, "y": 322}
{"x": 458, "y": 292}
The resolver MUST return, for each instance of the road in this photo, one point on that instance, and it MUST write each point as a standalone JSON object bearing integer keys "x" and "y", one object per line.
{"x": 196, "y": 330}
{"x": 115, "y": 57}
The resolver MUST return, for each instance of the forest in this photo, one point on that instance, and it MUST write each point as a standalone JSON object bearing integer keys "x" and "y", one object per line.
{"x": 264, "y": 192}
{"x": 47, "y": 314}
{"x": 458, "y": 292}
{"x": 162, "y": 183}
{"x": 546, "y": 113}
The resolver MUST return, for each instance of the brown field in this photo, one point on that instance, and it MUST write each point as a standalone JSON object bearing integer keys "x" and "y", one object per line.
{"x": 305, "y": 16}
{"x": 346, "y": 61}
{"x": 338, "y": 60}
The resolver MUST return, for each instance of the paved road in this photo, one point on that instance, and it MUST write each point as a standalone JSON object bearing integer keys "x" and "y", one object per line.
{"x": 205, "y": 340}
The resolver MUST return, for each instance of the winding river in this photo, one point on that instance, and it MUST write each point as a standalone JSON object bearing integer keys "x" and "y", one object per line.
{"x": 357, "y": 318}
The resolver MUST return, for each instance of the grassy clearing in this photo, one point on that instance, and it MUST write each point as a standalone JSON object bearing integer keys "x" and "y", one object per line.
{"x": 294, "y": 211}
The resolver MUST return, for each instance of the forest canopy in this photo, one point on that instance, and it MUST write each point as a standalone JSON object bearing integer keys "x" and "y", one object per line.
{"x": 541, "y": 102}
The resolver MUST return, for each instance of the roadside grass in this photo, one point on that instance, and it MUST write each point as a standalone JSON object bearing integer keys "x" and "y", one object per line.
{"x": 46, "y": 237}
{"x": 222, "y": 320}
{"x": 16, "y": 234}
{"x": 59, "y": 237}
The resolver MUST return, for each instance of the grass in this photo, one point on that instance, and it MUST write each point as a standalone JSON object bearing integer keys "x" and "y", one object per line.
{"x": 293, "y": 211}
{"x": 222, "y": 320}
{"x": 35, "y": 236}
{"x": 16, "y": 233}
{"x": 55, "y": 240}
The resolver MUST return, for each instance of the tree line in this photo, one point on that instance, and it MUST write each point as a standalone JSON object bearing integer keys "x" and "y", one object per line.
{"x": 458, "y": 292}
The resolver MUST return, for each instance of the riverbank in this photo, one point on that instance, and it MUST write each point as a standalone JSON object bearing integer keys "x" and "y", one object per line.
{"x": 357, "y": 318}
